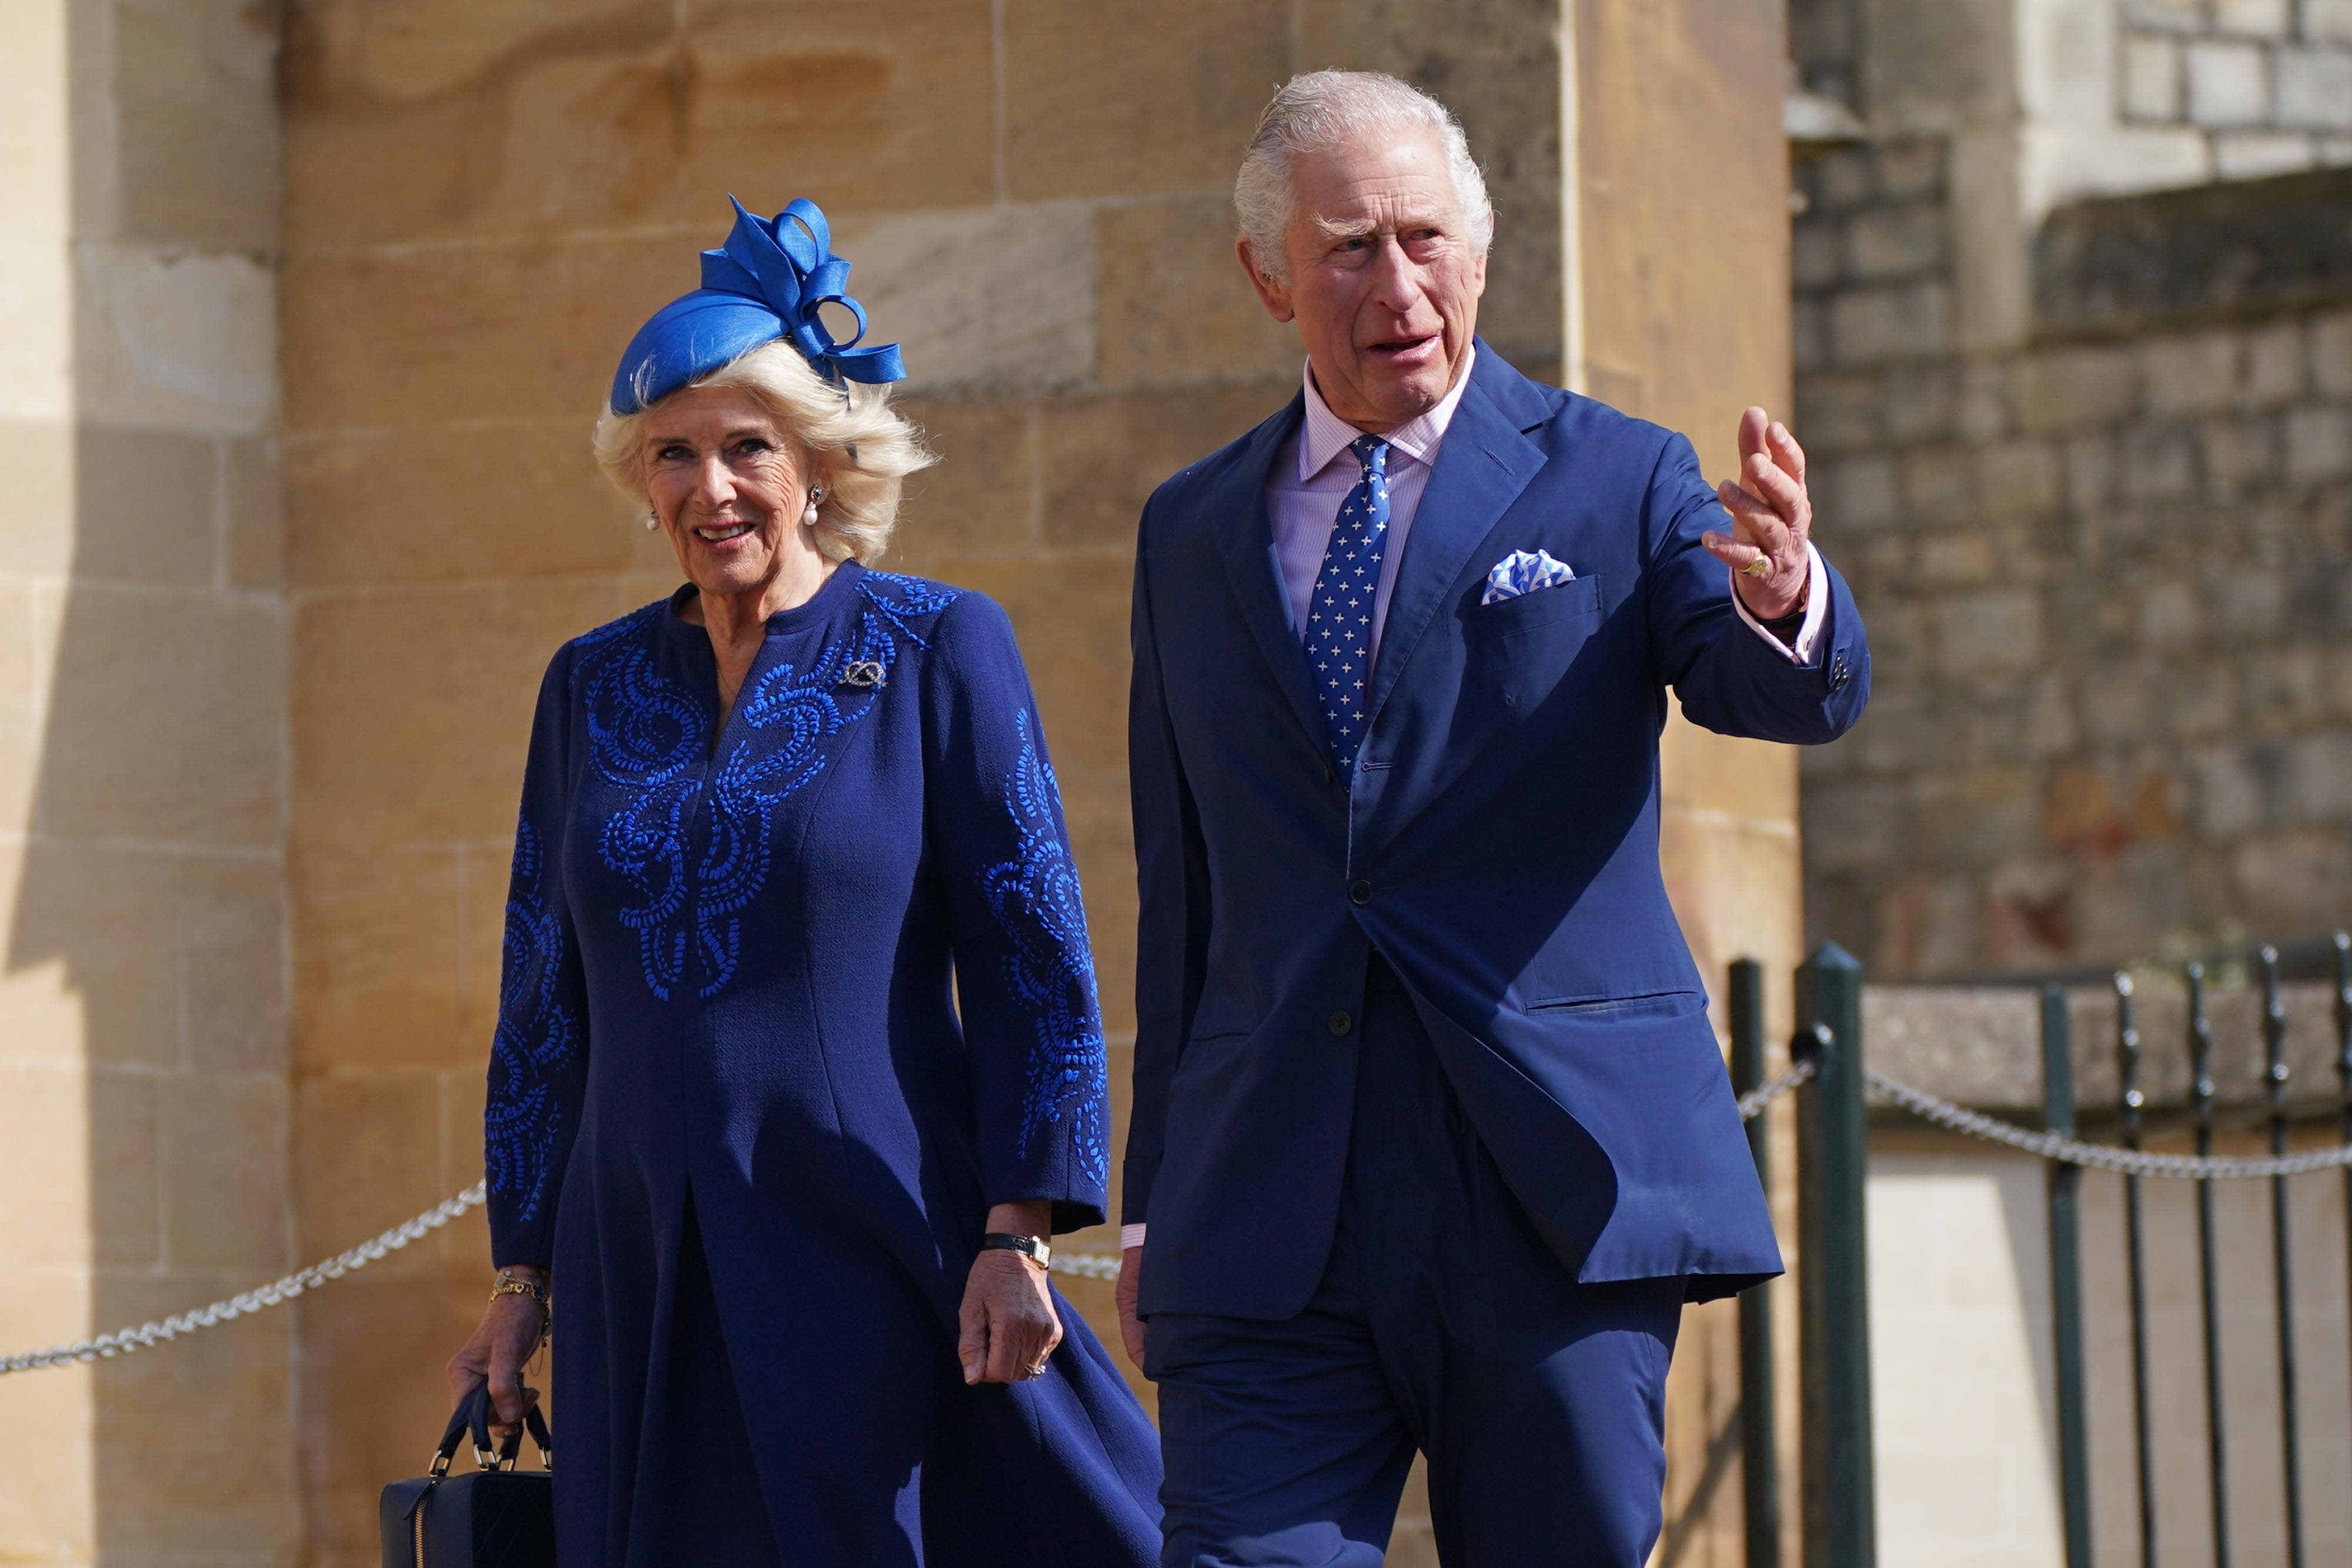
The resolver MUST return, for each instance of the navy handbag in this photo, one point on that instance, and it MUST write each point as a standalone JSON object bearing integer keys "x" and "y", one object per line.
{"x": 499, "y": 1516}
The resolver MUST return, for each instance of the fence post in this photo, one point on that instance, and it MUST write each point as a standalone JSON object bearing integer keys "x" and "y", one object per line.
{"x": 1832, "y": 1132}
{"x": 2208, "y": 1289}
{"x": 2343, "y": 946}
{"x": 2066, "y": 1279}
{"x": 1760, "y": 1467}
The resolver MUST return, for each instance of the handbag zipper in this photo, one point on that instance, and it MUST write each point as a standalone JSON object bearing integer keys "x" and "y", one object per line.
{"x": 419, "y": 1517}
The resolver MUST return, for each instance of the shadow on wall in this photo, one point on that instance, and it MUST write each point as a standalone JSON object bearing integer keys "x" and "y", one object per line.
{"x": 145, "y": 956}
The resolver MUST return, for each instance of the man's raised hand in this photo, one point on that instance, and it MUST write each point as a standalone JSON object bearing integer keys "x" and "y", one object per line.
{"x": 1771, "y": 518}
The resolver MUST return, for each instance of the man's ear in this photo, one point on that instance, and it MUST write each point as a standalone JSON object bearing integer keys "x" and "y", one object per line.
{"x": 1275, "y": 297}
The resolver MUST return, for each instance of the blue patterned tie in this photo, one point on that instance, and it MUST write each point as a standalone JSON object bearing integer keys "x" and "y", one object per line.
{"x": 1339, "y": 618}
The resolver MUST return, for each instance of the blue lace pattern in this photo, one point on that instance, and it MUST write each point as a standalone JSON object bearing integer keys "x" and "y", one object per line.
{"x": 536, "y": 1036}
{"x": 646, "y": 735}
{"x": 1050, "y": 968}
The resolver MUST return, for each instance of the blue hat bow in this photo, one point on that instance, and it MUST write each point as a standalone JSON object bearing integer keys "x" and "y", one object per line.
{"x": 769, "y": 280}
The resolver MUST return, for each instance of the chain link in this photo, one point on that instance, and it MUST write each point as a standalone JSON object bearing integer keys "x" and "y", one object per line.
{"x": 2099, "y": 1156}
{"x": 122, "y": 1342}
{"x": 1753, "y": 1104}
{"x": 278, "y": 1293}
{"x": 1105, "y": 1266}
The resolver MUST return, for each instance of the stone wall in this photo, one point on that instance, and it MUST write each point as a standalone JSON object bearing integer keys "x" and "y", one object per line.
{"x": 2086, "y": 458}
{"x": 256, "y": 777}
{"x": 1035, "y": 196}
{"x": 2268, "y": 81}
{"x": 2101, "y": 582}
{"x": 142, "y": 763}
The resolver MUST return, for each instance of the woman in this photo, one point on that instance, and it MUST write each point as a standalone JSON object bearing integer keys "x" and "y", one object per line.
{"x": 798, "y": 1008}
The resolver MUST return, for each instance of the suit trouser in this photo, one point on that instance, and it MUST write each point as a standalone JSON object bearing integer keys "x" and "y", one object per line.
{"x": 1442, "y": 1322}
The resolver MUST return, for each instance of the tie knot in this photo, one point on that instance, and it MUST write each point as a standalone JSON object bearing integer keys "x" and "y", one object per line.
{"x": 1372, "y": 452}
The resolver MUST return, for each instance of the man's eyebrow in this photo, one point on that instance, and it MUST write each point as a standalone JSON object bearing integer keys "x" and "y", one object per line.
{"x": 1345, "y": 228}
{"x": 1357, "y": 229}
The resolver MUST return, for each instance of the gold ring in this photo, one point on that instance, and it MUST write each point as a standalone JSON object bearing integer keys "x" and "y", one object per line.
{"x": 1755, "y": 567}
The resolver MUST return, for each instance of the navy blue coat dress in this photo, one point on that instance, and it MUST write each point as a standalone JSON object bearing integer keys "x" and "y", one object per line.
{"x": 787, "y": 1006}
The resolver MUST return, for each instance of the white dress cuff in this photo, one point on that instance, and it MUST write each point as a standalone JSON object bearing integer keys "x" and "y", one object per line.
{"x": 1129, "y": 1236}
{"x": 1817, "y": 604}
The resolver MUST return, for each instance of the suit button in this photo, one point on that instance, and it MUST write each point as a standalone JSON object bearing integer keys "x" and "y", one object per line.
{"x": 1838, "y": 676}
{"x": 1342, "y": 1022}
{"x": 1360, "y": 892}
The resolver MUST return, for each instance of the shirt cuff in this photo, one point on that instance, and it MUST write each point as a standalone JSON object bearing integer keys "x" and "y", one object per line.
{"x": 1817, "y": 604}
{"x": 1129, "y": 1236}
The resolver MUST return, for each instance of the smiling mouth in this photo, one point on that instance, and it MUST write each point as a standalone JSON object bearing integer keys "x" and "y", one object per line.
{"x": 720, "y": 535}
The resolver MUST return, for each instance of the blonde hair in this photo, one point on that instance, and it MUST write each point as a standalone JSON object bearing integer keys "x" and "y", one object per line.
{"x": 865, "y": 446}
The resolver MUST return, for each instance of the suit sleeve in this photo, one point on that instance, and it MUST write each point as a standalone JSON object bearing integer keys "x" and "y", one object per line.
{"x": 1728, "y": 677}
{"x": 1024, "y": 969}
{"x": 539, "y": 1051}
{"x": 1171, "y": 873}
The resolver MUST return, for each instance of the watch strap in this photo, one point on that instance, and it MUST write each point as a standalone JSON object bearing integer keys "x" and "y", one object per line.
{"x": 1037, "y": 1249}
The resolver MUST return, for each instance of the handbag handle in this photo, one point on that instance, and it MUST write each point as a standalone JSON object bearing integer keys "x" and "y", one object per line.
{"x": 473, "y": 1414}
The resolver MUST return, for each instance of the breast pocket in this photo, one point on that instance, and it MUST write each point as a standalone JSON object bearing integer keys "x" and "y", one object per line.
{"x": 1520, "y": 649}
{"x": 1577, "y": 601}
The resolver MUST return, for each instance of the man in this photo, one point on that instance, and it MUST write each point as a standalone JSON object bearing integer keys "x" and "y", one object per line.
{"x": 1432, "y": 1140}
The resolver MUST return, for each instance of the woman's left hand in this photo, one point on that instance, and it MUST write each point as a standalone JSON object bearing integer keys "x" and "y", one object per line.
{"x": 1010, "y": 1326}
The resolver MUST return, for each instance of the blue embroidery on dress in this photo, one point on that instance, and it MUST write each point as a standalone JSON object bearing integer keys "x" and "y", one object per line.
{"x": 646, "y": 735}
{"x": 1051, "y": 970}
{"x": 536, "y": 1037}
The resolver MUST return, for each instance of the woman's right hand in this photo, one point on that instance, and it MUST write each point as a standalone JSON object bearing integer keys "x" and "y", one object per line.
{"x": 509, "y": 1336}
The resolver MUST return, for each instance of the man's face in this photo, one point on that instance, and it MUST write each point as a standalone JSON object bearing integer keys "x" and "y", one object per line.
{"x": 1382, "y": 279}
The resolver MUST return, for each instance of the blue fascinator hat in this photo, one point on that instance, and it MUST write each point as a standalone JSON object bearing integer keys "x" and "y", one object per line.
{"x": 765, "y": 283}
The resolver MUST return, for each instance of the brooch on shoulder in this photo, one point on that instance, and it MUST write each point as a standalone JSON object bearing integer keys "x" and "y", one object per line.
{"x": 865, "y": 673}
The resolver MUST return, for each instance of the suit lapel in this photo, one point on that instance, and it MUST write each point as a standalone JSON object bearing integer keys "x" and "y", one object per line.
{"x": 1486, "y": 461}
{"x": 1246, "y": 532}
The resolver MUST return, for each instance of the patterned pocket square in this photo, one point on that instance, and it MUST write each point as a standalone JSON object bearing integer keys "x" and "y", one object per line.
{"x": 1524, "y": 572}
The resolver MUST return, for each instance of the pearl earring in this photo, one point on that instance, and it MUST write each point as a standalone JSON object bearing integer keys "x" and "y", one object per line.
{"x": 653, "y": 521}
{"x": 817, "y": 494}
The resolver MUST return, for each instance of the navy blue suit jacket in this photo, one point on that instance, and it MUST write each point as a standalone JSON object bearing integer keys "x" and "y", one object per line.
{"x": 1499, "y": 849}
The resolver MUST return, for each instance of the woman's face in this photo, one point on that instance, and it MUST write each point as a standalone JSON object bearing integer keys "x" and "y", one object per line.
{"x": 729, "y": 487}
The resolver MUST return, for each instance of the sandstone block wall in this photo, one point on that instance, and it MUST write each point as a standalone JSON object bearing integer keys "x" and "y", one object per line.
{"x": 143, "y": 759}
{"x": 1035, "y": 197}
{"x": 308, "y": 310}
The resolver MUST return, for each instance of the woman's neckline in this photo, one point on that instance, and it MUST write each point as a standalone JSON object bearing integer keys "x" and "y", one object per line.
{"x": 815, "y": 607}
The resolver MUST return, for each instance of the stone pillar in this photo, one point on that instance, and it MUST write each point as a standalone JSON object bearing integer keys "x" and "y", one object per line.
{"x": 1680, "y": 271}
{"x": 141, "y": 760}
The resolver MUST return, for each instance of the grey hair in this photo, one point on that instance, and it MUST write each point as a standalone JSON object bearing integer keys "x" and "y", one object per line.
{"x": 1322, "y": 109}
{"x": 866, "y": 447}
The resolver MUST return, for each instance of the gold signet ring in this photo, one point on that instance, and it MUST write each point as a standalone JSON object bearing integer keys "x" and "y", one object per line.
{"x": 1755, "y": 567}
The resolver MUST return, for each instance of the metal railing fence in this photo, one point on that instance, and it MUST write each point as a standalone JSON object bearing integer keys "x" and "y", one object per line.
{"x": 1836, "y": 1478}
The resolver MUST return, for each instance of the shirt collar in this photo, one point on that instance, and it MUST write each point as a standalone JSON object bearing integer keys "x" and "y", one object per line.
{"x": 1325, "y": 434}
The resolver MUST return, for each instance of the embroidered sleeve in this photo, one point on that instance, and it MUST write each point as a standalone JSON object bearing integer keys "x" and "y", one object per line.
{"x": 539, "y": 1051}
{"x": 1024, "y": 971}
